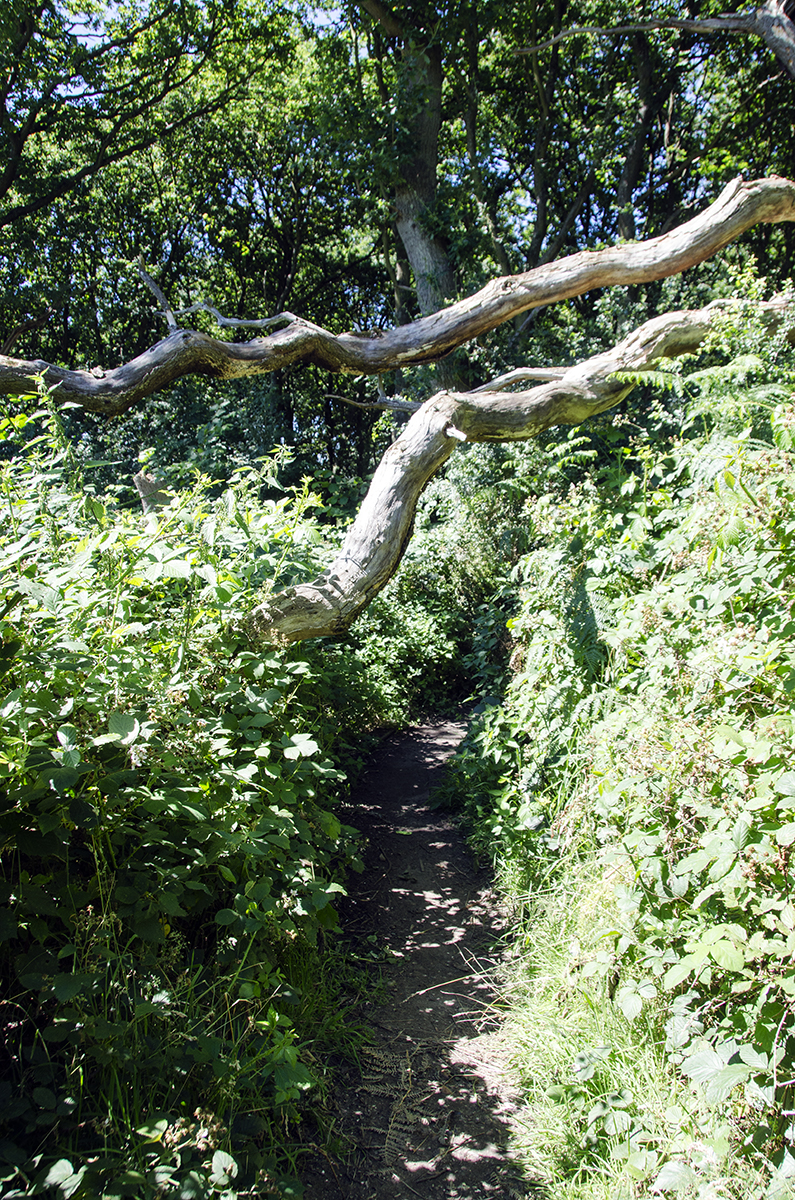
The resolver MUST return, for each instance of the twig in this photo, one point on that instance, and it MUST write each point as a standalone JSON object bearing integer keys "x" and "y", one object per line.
{"x": 168, "y": 312}
{"x": 434, "y": 986}
{"x": 411, "y": 1189}
{"x": 388, "y": 402}
{"x": 238, "y": 322}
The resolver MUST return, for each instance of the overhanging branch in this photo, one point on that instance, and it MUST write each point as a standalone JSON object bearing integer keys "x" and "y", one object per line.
{"x": 376, "y": 541}
{"x": 769, "y": 22}
{"x": 186, "y": 352}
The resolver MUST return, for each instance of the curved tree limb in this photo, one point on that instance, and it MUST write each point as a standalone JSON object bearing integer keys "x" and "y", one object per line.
{"x": 184, "y": 352}
{"x": 376, "y": 541}
{"x": 769, "y": 22}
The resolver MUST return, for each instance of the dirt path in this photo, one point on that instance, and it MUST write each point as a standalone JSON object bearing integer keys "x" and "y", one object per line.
{"x": 428, "y": 1114}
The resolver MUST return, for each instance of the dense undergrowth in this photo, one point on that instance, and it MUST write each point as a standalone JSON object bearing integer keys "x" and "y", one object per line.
{"x": 636, "y": 790}
{"x": 170, "y": 855}
{"x": 171, "y": 858}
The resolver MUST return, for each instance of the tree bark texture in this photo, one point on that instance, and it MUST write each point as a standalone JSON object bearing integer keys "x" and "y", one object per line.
{"x": 377, "y": 539}
{"x": 185, "y": 351}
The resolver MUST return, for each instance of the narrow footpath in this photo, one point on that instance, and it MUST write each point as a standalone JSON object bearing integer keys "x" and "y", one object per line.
{"x": 429, "y": 1112}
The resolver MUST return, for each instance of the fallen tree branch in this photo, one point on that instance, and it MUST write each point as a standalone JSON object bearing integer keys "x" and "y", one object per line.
{"x": 186, "y": 352}
{"x": 377, "y": 539}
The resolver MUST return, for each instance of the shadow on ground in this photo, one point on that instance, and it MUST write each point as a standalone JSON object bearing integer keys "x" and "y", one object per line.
{"x": 428, "y": 1111}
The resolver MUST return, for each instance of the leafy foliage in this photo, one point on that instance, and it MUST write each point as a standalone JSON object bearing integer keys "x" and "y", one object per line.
{"x": 647, "y": 727}
{"x": 170, "y": 854}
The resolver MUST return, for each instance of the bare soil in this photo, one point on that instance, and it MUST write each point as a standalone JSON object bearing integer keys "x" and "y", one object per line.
{"x": 428, "y": 1110}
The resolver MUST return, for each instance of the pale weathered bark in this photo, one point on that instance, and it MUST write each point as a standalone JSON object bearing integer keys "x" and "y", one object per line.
{"x": 770, "y": 22}
{"x": 376, "y": 541}
{"x": 185, "y": 351}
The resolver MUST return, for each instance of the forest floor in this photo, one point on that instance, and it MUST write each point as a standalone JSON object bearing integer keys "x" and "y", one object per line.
{"x": 428, "y": 1111}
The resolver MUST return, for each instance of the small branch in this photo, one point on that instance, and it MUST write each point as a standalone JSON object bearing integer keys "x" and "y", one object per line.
{"x": 522, "y": 375}
{"x": 395, "y": 403}
{"x": 707, "y": 25}
{"x": 171, "y": 320}
{"x": 238, "y": 322}
{"x": 26, "y": 327}
{"x": 769, "y": 22}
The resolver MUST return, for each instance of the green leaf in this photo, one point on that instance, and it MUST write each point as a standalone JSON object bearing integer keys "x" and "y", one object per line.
{"x": 148, "y": 928}
{"x": 741, "y": 834}
{"x": 630, "y": 1003}
{"x": 192, "y": 1187}
{"x": 224, "y": 1168}
{"x": 679, "y": 972}
{"x": 720, "y": 1086}
{"x": 84, "y": 815}
{"x": 177, "y": 568}
{"x": 728, "y": 956}
{"x": 129, "y": 1183}
{"x": 674, "y": 1176}
{"x": 299, "y": 745}
{"x": 124, "y": 727}
{"x": 58, "y": 1173}
{"x": 67, "y": 986}
{"x": 67, "y": 736}
{"x": 703, "y": 1066}
{"x": 154, "y": 1128}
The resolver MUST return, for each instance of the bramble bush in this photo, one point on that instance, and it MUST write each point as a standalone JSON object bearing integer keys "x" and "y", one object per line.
{"x": 170, "y": 855}
{"x": 646, "y": 745}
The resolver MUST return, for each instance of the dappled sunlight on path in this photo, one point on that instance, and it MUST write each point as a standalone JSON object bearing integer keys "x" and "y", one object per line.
{"x": 429, "y": 1112}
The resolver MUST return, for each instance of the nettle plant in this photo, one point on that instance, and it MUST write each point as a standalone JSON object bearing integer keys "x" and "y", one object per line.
{"x": 648, "y": 721}
{"x": 167, "y": 841}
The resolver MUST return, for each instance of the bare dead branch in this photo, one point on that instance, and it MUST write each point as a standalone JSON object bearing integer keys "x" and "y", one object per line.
{"x": 171, "y": 320}
{"x": 385, "y": 403}
{"x": 427, "y": 339}
{"x": 768, "y": 22}
{"x": 521, "y": 375}
{"x": 376, "y": 541}
{"x": 237, "y": 322}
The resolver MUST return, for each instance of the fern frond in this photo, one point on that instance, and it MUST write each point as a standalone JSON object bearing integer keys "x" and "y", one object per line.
{"x": 662, "y": 380}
